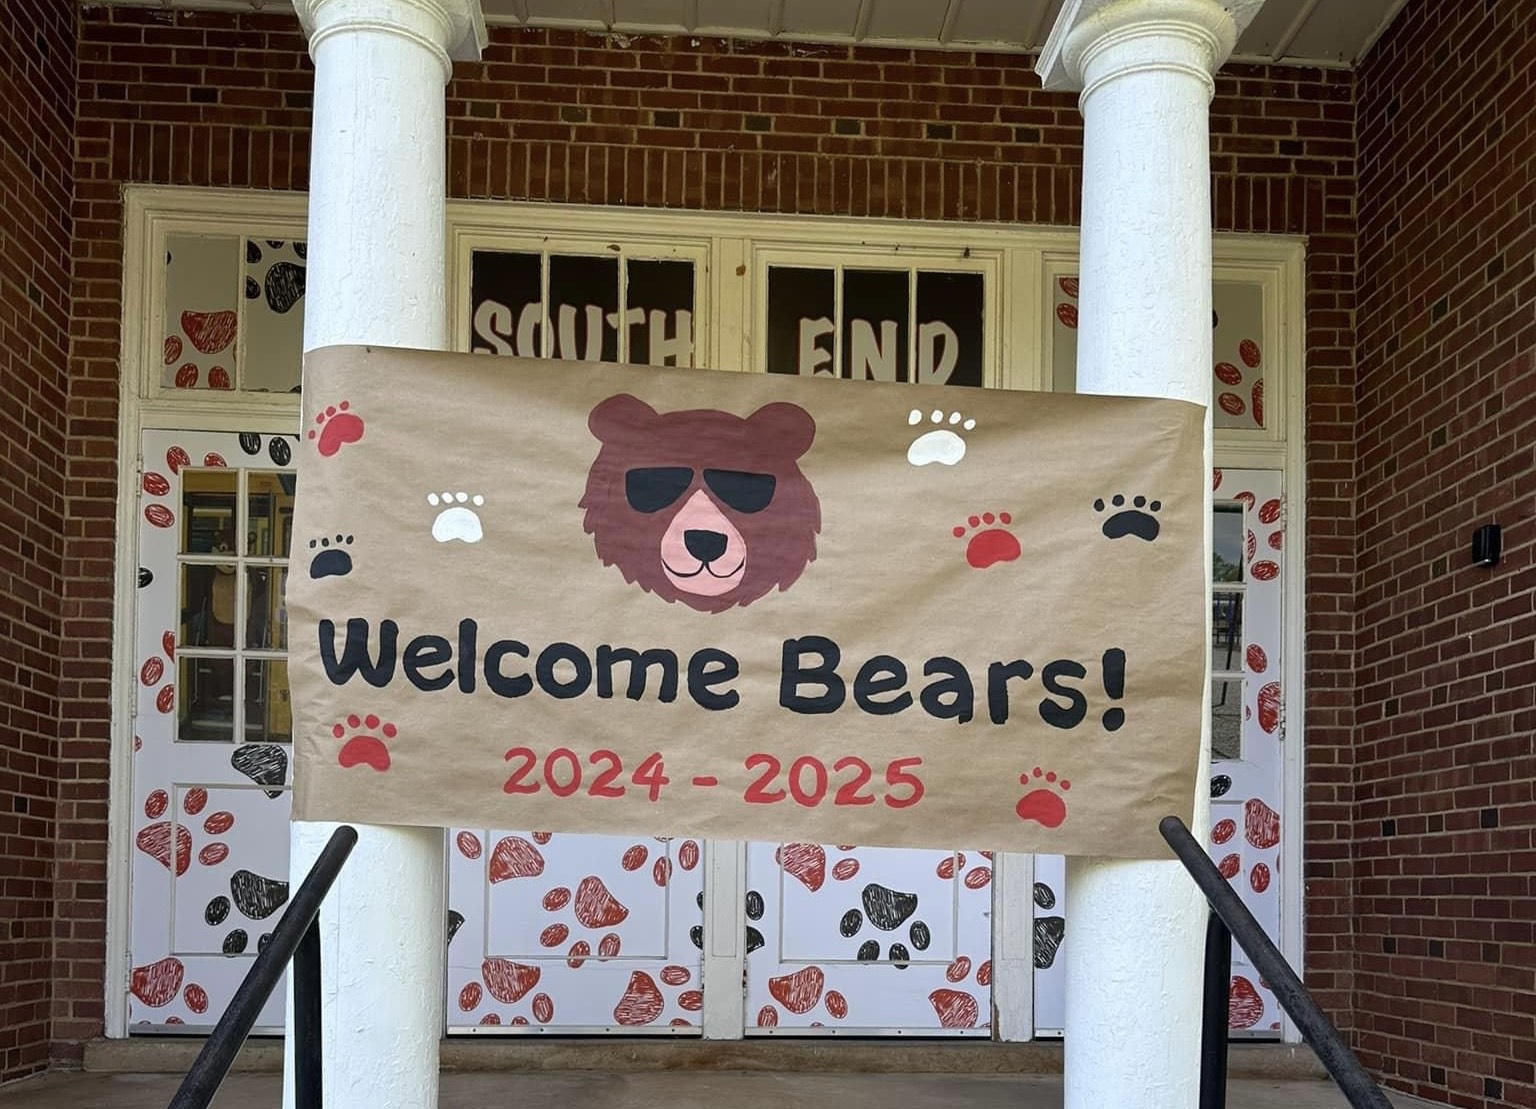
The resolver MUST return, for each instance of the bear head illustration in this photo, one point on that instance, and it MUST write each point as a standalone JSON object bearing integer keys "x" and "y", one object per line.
{"x": 702, "y": 506}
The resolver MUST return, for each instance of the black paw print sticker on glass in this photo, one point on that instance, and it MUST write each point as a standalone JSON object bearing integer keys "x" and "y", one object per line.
{"x": 887, "y": 910}
{"x": 1136, "y": 519}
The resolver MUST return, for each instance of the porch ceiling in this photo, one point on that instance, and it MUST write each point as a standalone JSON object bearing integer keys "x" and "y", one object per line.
{"x": 1291, "y": 32}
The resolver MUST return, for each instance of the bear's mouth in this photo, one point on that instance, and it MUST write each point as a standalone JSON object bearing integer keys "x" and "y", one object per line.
{"x": 704, "y": 567}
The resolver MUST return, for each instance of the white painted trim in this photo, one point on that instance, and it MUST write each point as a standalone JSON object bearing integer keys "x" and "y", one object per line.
{"x": 730, "y": 333}
{"x": 1013, "y": 954}
{"x": 1022, "y": 356}
{"x": 500, "y": 217}
{"x": 724, "y": 973}
{"x": 1293, "y": 845}
{"x": 125, "y": 583}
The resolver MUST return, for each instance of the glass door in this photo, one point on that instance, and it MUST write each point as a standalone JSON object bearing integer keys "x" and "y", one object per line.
{"x": 213, "y": 724}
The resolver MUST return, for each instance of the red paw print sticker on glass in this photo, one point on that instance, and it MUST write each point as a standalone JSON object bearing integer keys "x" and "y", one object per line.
{"x": 361, "y": 747}
{"x": 1043, "y": 804}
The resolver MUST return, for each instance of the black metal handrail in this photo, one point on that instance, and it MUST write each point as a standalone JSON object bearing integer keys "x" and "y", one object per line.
{"x": 296, "y": 939}
{"x": 1232, "y": 918}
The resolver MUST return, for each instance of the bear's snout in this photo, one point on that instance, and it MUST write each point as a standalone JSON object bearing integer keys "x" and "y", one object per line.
{"x": 706, "y": 546}
{"x": 702, "y": 552}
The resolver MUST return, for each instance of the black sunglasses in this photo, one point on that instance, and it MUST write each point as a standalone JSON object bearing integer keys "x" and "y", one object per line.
{"x": 651, "y": 489}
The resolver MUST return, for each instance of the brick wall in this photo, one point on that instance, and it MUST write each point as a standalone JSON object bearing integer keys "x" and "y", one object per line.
{"x": 37, "y": 39}
{"x": 210, "y": 99}
{"x": 1446, "y": 765}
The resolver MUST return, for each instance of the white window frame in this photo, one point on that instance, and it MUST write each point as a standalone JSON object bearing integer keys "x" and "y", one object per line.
{"x": 733, "y": 252}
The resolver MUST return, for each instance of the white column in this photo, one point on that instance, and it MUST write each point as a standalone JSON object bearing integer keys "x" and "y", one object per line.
{"x": 1136, "y": 929}
{"x": 377, "y": 264}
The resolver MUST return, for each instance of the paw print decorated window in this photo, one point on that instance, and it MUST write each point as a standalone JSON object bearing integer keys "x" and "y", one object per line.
{"x": 233, "y": 314}
{"x": 611, "y": 307}
{"x": 1240, "y": 337}
{"x": 877, "y": 324}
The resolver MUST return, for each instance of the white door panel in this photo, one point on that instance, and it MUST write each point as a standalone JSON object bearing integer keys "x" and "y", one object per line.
{"x": 868, "y": 940}
{"x": 558, "y": 932}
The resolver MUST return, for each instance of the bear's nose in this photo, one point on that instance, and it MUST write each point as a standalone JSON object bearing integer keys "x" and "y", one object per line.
{"x": 706, "y": 546}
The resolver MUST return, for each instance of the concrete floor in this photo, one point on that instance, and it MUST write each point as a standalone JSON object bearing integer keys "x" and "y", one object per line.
{"x": 665, "y": 1090}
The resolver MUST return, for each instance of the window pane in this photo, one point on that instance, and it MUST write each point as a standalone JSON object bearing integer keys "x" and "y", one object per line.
{"x": 268, "y": 714}
{"x": 1237, "y": 330}
{"x": 801, "y": 306}
{"x": 950, "y": 328}
{"x": 875, "y": 311}
{"x": 1227, "y": 632}
{"x": 660, "y": 317}
{"x": 266, "y": 625}
{"x": 583, "y": 307}
{"x": 1063, "y": 325}
{"x": 202, "y": 295}
{"x": 207, "y": 606}
{"x": 505, "y": 294}
{"x": 275, "y": 271}
{"x": 205, "y": 700}
{"x": 1227, "y": 533}
{"x": 269, "y": 514}
{"x": 1227, "y": 719}
{"x": 208, "y": 510}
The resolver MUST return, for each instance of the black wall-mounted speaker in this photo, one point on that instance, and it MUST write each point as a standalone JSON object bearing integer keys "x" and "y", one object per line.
{"x": 1486, "y": 545}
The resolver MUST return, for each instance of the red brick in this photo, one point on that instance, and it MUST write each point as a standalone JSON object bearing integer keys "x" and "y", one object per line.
{"x": 36, "y": 183}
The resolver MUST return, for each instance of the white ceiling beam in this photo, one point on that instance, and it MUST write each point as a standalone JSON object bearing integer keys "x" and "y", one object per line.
{"x": 520, "y": 9}
{"x": 861, "y": 20}
{"x": 1283, "y": 43}
{"x": 776, "y": 17}
{"x": 1036, "y": 35}
{"x": 951, "y": 18}
{"x": 611, "y": 15}
{"x": 691, "y": 15}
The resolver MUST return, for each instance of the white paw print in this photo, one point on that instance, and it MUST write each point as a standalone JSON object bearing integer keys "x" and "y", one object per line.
{"x": 941, "y": 443}
{"x": 456, "y": 521}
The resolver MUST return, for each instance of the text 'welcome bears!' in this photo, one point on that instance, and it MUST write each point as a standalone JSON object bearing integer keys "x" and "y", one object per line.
{"x": 814, "y": 678}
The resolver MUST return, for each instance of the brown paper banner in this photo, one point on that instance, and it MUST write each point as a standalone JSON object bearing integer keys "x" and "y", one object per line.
{"x": 597, "y": 598}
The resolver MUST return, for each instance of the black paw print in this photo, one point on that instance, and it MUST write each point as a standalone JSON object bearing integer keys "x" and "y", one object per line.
{"x": 1049, "y": 930}
{"x": 255, "y": 897}
{"x": 1137, "y": 519}
{"x": 887, "y": 910}
{"x": 754, "y": 912}
{"x": 330, "y": 560}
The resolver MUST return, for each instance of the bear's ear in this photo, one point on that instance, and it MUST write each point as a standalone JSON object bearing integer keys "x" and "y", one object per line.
{"x": 620, "y": 414}
{"x": 787, "y": 428}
